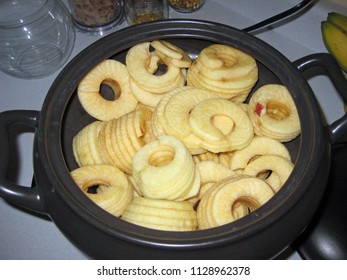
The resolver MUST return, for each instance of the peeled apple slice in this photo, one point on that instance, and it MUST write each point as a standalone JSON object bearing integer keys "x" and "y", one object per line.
{"x": 212, "y": 172}
{"x": 236, "y": 130}
{"x": 167, "y": 49}
{"x": 164, "y": 169}
{"x": 161, "y": 214}
{"x": 231, "y": 199}
{"x": 259, "y": 146}
{"x": 178, "y": 108}
{"x": 85, "y": 145}
{"x": 136, "y": 60}
{"x": 114, "y": 190}
{"x": 280, "y": 168}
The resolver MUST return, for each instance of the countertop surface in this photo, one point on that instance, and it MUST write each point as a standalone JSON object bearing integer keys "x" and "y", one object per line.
{"x": 27, "y": 236}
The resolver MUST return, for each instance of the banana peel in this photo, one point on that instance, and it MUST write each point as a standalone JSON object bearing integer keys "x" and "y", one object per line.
{"x": 338, "y": 19}
{"x": 334, "y": 33}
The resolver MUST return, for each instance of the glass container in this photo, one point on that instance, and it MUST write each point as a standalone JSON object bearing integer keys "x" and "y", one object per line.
{"x": 96, "y": 16}
{"x": 37, "y": 37}
{"x": 186, "y": 6}
{"x": 139, "y": 11}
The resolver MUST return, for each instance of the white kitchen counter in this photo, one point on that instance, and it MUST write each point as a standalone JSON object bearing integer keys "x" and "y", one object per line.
{"x": 27, "y": 236}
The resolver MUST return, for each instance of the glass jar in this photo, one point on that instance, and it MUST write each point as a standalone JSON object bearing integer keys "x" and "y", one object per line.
{"x": 96, "y": 16}
{"x": 37, "y": 37}
{"x": 139, "y": 11}
{"x": 186, "y": 6}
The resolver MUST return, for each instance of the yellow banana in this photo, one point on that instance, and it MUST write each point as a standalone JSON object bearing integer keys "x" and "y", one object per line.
{"x": 335, "y": 39}
{"x": 338, "y": 19}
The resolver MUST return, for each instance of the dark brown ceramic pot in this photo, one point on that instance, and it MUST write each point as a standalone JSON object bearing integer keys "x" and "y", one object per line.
{"x": 260, "y": 235}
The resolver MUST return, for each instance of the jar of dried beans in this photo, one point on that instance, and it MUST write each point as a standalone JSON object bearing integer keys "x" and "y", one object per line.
{"x": 186, "y": 6}
{"x": 96, "y": 16}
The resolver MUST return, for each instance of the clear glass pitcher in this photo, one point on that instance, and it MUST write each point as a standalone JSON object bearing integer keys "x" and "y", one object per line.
{"x": 37, "y": 37}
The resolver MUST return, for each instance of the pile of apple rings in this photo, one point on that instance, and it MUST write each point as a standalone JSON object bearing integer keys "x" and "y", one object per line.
{"x": 179, "y": 149}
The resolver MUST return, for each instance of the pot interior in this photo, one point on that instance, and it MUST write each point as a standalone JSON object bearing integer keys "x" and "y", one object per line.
{"x": 74, "y": 110}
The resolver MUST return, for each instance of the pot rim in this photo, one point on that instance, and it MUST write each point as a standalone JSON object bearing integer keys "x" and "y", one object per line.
{"x": 310, "y": 151}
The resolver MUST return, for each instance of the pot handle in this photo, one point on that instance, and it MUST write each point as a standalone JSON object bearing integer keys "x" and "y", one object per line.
{"x": 27, "y": 197}
{"x": 326, "y": 61}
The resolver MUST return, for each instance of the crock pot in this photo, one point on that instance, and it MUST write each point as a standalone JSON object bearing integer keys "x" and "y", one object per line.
{"x": 262, "y": 234}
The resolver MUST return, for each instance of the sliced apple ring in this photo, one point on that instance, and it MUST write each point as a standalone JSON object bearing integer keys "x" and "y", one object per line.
{"x": 136, "y": 60}
{"x": 237, "y": 95}
{"x": 212, "y": 172}
{"x": 170, "y": 53}
{"x": 143, "y": 96}
{"x": 235, "y": 131}
{"x": 115, "y": 75}
{"x": 142, "y": 125}
{"x": 158, "y": 114}
{"x": 148, "y": 98}
{"x": 184, "y": 62}
{"x": 178, "y": 108}
{"x": 208, "y": 156}
{"x": 164, "y": 169}
{"x": 161, "y": 214}
{"x": 243, "y": 193}
{"x": 277, "y": 166}
{"x": 122, "y": 143}
{"x": 260, "y": 145}
{"x": 152, "y": 63}
{"x": 167, "y": 49}
{"x": 85, "y": 145}
{"x": 223, "y": 62}
{"x": 121, "y": 138}
{"x": 227, "y": 71}
{"x": 105, "y": 147}
{"x": 273, "y": 113}
{"x": 237, "y": 85}
{"x": 113, "y": 189}
{"x": 224, "y": 159}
